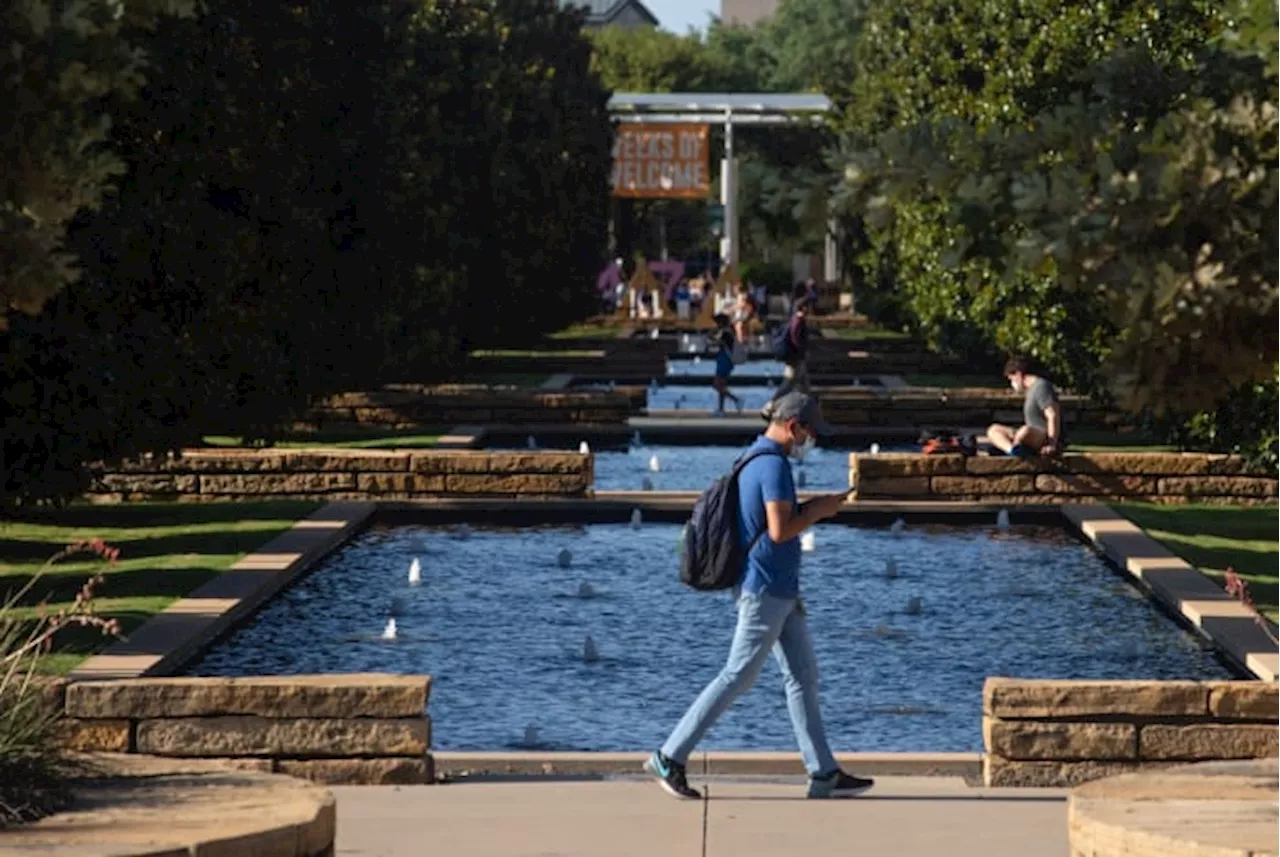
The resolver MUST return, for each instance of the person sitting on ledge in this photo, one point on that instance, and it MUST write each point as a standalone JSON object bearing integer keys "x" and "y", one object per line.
{"x": 1041, "y": 433}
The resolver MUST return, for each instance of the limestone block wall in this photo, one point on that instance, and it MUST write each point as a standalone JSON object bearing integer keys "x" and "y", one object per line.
{"x": 1045, "y": 732}
{"x": 951, "y": 409}
{"x": 409, "y": 406}
{"x": 1073, "y": 478}
{"x": 337, "y": 729}
{"x": 624, "y": 358}
{"x": 211, "y": 475}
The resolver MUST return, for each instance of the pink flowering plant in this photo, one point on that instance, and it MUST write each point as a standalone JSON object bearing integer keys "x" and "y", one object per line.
{"x": 1238, "y": 589}
{"x": 33, "y": 766}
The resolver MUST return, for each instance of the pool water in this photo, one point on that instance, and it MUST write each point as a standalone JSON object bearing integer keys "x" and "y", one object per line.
{"x": 705, "y": 365}
{"x": 703, "y": 400}
{"x": 693, "y": 468}
{"x": 501, "y": 628}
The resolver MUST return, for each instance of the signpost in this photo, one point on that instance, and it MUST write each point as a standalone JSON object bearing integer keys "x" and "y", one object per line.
{"x": 652, "y": 161}
{"x": 663, "y": 166}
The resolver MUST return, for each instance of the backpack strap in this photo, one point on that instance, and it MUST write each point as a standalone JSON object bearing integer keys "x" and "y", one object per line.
{"x": 737, "y": 470}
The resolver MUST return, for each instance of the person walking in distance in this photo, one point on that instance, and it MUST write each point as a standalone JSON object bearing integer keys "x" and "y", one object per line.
{"x": 791, "y": 346}
{"x": 771, "y": 615}
{"x": 725, "y": 344}
{"x": 1041, "y": 432}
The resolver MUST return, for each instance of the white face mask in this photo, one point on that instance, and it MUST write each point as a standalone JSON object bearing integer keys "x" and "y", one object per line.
{"x": 1013, "y": 382}
{"x": 798, "y": 452}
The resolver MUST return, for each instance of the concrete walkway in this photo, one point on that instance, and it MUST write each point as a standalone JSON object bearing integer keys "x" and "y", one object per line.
{"x": 901, "y": 817}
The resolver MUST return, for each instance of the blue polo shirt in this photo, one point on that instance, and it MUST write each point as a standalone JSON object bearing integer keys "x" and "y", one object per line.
{"x": 772, "y": 568}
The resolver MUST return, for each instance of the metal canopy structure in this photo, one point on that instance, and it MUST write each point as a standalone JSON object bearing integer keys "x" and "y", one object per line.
{"x": 737, "y": 108}
{"x": 730, "y": 110}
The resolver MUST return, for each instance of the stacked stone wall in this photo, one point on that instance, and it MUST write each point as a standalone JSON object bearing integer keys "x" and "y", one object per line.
{"x": 413, "y": 406}
{"x": 354, "y": 729}
{"x": 202, "y": 475}
{"x": 1073, "y": 478}
{"x": 1062, "y": 733}
{"x": 623, "y": 358}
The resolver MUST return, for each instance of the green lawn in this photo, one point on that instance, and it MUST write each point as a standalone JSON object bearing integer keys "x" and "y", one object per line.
{"x": 1106, "y": 440}
{"x": 534, "y": 354}
{"x": 589, "y": 331}
{"x": 385, "y": 439}
{"x": 866, "y": 334}
{"x": 1215, "y": 537}
{"x": 166, "y": 550}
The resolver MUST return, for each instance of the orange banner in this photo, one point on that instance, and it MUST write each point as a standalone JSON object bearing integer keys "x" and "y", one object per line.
{"x": 661, "y": 162}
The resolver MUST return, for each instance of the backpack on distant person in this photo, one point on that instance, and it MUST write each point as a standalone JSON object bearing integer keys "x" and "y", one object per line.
{"x": 711, "y": 557}
{"x": 783, "y": 343}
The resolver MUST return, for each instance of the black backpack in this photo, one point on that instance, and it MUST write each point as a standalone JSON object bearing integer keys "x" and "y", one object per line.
{"x": 711, "y": 558}
{"x": 782, "y": 344}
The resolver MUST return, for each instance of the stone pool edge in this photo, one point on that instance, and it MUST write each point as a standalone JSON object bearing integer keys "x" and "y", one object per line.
{"x": 459, "y": 764}
{"x": 168, "y": 640}
{"x": 1178, "y": 586}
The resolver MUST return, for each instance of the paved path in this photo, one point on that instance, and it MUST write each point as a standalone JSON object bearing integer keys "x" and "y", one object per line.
{"x": 902, "y": 817}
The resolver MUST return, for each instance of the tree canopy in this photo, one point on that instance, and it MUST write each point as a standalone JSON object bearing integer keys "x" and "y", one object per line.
{"x": 311, "y": 196}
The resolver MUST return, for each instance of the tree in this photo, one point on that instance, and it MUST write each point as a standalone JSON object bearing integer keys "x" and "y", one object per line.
{"x": 643, "y": 60}
{"x": 812, "y": 44}
{"x": 1144, "y": 197}
{"x": 992, "y": 68}
{"x": 56, "y": 71}
{"x": 318, "y": 196}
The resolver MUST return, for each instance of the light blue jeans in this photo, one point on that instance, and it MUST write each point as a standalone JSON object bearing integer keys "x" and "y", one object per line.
{"x": 765, "y": 623}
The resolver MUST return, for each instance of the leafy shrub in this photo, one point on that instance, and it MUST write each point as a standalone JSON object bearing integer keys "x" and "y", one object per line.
{"x": 1244, "y": 424}
{"x": 34, "y": 768}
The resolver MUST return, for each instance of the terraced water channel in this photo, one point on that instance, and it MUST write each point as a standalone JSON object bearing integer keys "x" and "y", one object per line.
{"x": 502, "y": 627}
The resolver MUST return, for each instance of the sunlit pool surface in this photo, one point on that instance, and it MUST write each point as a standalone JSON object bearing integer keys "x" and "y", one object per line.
{"x": 500, "y": 626}
{"x": 693, "y": 468}
{"x": 706, "y": 365}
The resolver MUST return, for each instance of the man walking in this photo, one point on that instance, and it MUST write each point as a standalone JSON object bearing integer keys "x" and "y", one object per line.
{"x": 1041, "y": 432}
{"x": 791, "y": 345}
{"x": 771, "y": 616}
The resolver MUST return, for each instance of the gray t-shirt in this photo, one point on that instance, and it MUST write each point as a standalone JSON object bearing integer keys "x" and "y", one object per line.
{"x": 1040, "y": 395}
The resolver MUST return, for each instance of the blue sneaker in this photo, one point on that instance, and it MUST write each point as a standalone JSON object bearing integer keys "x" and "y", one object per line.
{"x": 670, "y": 775}
{"x": 838, "y": 785}
{"x": 1022, "y": 451}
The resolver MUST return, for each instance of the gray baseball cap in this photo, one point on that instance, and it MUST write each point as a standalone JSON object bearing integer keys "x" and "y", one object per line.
{"x": 802, "y": 407}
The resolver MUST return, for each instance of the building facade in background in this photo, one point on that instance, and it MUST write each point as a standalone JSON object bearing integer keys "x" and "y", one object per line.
{"x": 744, "y": 13}
{"x": 614, "y": 13}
